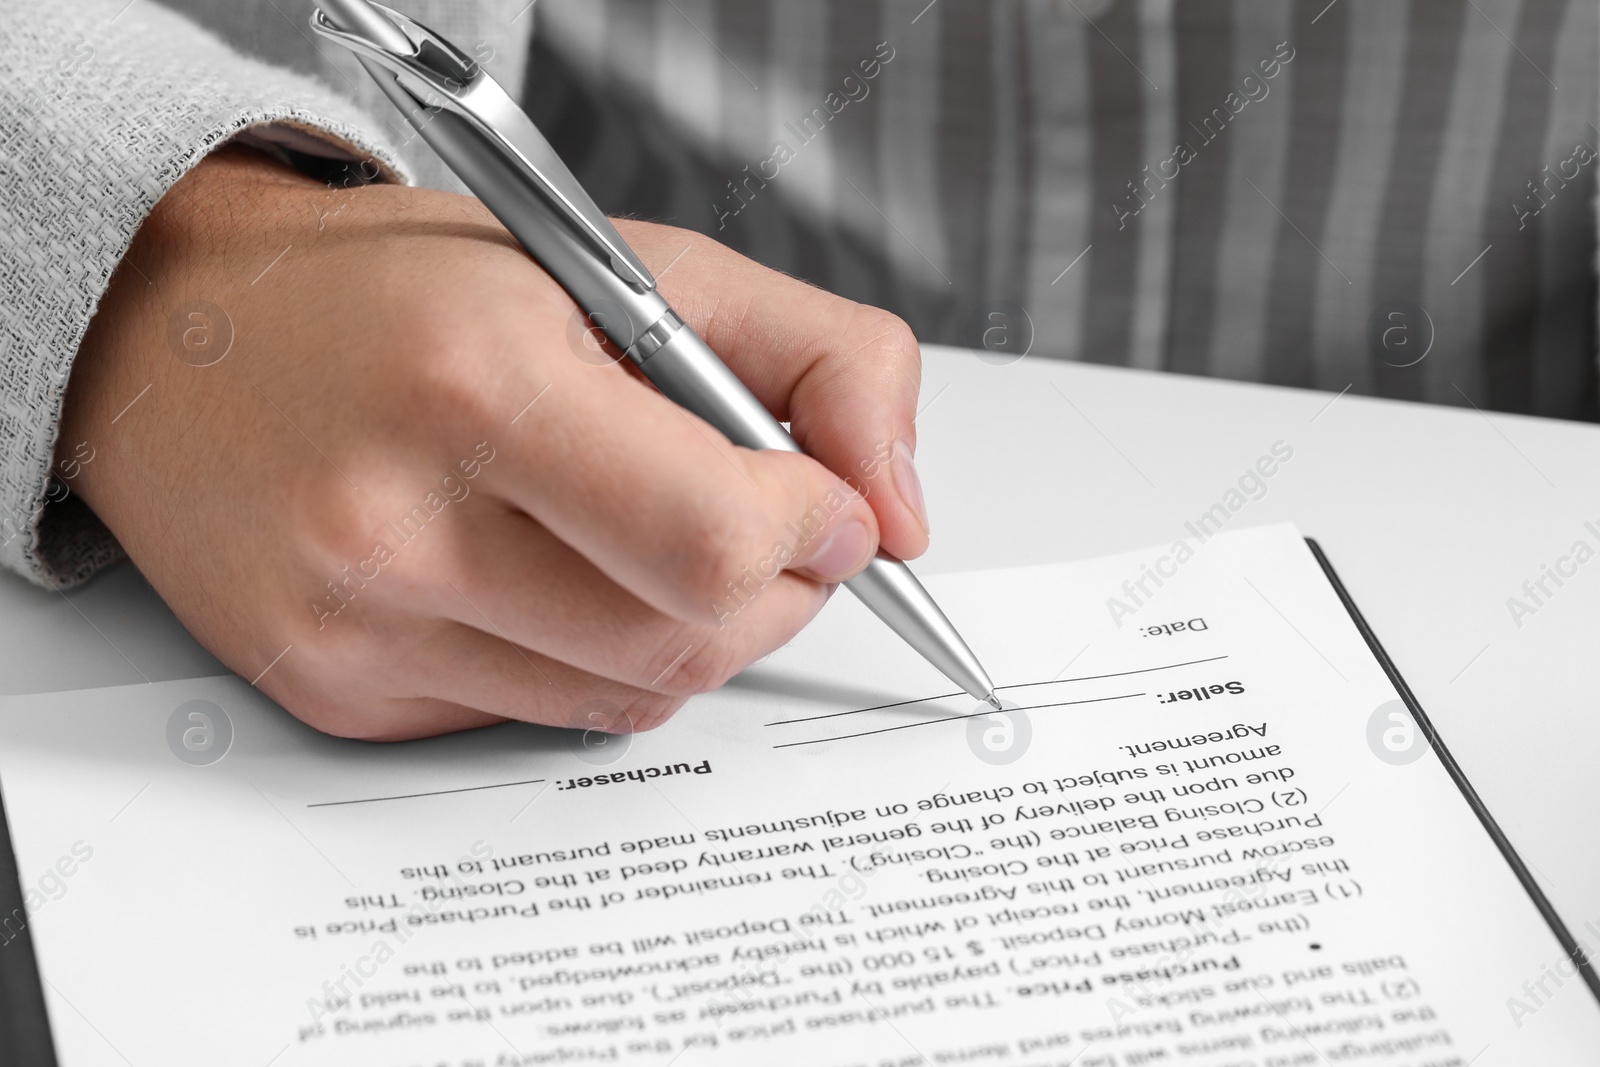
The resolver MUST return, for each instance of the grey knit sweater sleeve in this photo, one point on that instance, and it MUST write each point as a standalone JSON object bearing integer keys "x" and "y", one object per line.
{"x": 104, "y": 105}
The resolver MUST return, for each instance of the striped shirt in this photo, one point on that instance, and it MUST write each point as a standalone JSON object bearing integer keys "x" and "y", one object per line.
{"x": 1391, "y": 195}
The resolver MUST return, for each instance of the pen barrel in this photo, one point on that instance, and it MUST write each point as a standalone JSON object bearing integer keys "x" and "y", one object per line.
{"x": 683, "y": 367}
{"x": 892, "y": 593}
{"x": 623, "y": 311}
{"x": 677, "y": 362}
{"x": 690, "y": 375}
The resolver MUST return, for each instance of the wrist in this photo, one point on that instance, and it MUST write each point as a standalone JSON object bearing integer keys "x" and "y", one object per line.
{"x": 171, "y": 258}
{"x": 220, "y": 195}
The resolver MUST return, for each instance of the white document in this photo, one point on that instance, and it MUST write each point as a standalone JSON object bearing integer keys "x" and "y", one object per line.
{"x": 1210, "y": 835}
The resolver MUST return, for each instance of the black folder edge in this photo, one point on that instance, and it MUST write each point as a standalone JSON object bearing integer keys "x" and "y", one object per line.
{"x": 25, "y": 1039}
{"x": 1569, "y": 945}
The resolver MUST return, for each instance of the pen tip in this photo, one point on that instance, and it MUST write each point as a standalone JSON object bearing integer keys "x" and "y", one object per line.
{"x": 994, "y": 702}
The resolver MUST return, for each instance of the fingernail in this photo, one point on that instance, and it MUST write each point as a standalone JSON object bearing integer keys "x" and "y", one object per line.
{"x": 907, "y": 483}
{"x": 842, "y": 553}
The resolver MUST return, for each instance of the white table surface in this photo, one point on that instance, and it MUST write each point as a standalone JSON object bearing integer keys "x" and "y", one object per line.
{"x": 1433, "y": 517}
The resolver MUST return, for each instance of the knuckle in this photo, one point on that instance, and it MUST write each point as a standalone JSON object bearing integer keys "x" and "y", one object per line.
{"x": 335, "y": 529}
{"x": 593, "y": 714}
{"x": 888, "y": 339}
{"x": 313, "y": 678}
{"x": 722, "y": 544}
{"x": 449, "y": 377}
{"x": 353, "y": 720}
{"x": 692, "y": 663}
{"x": 727, "y": 317}
{"x": 650, "y": 710}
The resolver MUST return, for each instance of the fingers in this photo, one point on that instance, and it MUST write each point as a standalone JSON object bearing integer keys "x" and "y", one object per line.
{"x": 664, "y": 505}
{"x": 491, "y": 616}
{"x": 406, "y": 719}
{"x": 517, "y": 580}
{"x": 844, "y": 375}
{"x": 447, "y": 676}
{"x": 460, "y": 665}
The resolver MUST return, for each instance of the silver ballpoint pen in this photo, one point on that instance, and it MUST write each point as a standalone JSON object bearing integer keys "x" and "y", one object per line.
{"x": 495, "y": 149}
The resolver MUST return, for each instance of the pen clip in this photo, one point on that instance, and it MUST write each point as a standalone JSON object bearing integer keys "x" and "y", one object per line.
{"x": 438, "y": 74}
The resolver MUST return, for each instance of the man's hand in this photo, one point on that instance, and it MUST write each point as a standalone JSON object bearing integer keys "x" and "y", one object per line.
{"x": 362, "y": 426}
